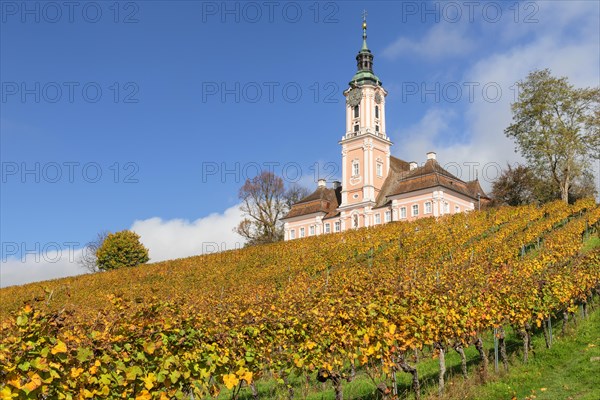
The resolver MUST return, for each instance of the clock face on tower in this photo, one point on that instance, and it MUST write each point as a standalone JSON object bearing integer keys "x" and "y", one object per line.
{"x": 354, "y": 97}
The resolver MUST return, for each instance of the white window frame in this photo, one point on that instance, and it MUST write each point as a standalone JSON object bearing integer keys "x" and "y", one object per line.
{"x": 355, "y": 168}
{"x": 379, "y": 169}
{"x": 327, "y": 227}
{"x": 456, "y": 209}
{"x": 403, "y": 212}
{"x": 414, "y": 209}
{"x": 311, "y": 230}
{"x": 428, "y": 208}
{"x": 292, "y": 234}
{"x": 337, "y": 226}
{"x": 446, "y": 207}
{"x": 377, "y": 218}
{"x": 302, "y": 232}
{"x": 388, "y": 216}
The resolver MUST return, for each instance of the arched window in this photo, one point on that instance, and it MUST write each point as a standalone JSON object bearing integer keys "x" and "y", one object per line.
{"x": 376, "y": 111}
{"x": 355, "y": 111}
{"x": 355, "y": 221}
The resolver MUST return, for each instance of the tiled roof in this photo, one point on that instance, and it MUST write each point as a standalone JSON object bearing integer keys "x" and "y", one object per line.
{"x": 429, "y": 175}
{"x": 325, "y": 200}
{"x": 401, "y": 179}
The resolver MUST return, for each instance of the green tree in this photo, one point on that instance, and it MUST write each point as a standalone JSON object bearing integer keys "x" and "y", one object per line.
{"x": 121, "y": 249}
{"x": 556, "y": 128}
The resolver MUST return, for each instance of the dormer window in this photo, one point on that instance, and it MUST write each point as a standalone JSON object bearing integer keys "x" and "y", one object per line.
{"x": 356, "y": 111}
{"x": 376, "y": 111}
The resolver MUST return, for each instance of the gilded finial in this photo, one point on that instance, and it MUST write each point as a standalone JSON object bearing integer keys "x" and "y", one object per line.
{"x": 364, "y": 24}
{"x": 364, "y": 27}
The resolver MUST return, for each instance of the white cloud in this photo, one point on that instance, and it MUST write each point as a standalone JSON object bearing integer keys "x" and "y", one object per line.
{"x": 441, "y": 41}
{"x": 418, "y": 139}
{"x": 566, "y": 45}
{"x": 58, "y": 261}
{"x": 177, "y": 238}
{"x": 165, "y": 239}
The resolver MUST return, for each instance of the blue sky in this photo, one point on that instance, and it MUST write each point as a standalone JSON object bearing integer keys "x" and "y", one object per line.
{"x": 148, "y": 115}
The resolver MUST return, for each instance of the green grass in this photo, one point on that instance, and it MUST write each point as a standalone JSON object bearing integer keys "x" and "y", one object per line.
{"x": 591, "y": 243}
{"x": 565, "y": 371}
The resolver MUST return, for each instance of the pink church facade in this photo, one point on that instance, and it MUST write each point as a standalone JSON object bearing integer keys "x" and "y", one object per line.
{"x": 377, "y": 188}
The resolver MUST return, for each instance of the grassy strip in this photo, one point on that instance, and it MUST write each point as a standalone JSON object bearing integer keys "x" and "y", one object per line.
{"x": 569, "y": 370}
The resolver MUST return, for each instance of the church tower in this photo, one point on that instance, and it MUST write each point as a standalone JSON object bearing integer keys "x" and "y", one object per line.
{"x": 365, "y": 145}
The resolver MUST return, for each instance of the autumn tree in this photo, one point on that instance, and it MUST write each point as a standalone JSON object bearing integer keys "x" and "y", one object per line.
{"x": 519, "y": 185}
{"x": 121, "y": 249}
{"x": 264, "y": 202}
{"x": 556, "y": 128}
{"x": 514, "y": 187}
{"x": 88, "y": 259}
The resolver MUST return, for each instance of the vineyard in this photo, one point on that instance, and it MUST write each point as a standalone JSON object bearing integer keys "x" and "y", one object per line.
{"x": 321, "y": 308}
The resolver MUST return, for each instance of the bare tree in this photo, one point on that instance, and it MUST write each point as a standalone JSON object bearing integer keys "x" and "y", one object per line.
{"x": 264, "y": 202}
{"x": 294, "y": 194}
{"x": 88, "y": 259}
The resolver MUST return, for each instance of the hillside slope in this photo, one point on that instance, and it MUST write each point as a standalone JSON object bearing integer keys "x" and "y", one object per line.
{"x": 334, "y": 303}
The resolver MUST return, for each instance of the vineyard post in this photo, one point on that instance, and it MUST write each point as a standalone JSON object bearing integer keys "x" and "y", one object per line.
{"x": 550, "y": 328}
{"x": 496, "y": 349}
{"x": 442, "y": 362}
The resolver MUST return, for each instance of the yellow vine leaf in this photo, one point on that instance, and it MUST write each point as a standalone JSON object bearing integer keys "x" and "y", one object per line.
{"x": 60, "y": 347}
{"x": 230, "y": 381}
{"x": 149, "y": 381}
{"x": 144, "y": 395}
{"x": 36, "y": 382}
